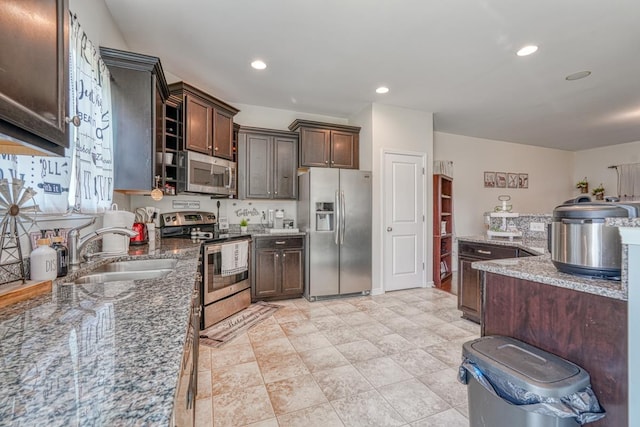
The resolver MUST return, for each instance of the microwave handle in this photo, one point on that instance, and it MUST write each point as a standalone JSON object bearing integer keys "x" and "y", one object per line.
{"x": 229, "y": 172}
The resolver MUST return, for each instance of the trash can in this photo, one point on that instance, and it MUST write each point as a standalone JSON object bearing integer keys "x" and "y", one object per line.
{"x": 511, "y": 383}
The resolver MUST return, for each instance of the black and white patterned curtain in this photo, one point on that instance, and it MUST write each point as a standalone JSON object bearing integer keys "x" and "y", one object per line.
{"x": 82, "y": 180}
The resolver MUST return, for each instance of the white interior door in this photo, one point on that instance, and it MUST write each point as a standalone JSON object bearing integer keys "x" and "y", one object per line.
{"x": 403, "y": 241}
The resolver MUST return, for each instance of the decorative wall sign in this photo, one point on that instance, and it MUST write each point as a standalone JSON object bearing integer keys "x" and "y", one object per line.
{"x": 489, "y": 179}
{"x": 506, "y": 180}
{"x": 185, "y": 204}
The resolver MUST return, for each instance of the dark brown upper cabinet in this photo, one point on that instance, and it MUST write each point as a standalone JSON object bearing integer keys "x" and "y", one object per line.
{"x": 267, "y": 164}
{"x": 327, "y": 145}
{"x": 208, "y": 122}
{"x": 138, "y": 93}
{"x": 34, "y": 74}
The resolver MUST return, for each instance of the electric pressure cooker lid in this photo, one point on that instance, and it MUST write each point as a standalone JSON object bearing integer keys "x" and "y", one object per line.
{"x": 596, "y": 210}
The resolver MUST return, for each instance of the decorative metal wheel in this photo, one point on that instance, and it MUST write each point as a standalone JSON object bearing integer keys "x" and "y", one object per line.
{"x": 17, "y": 219}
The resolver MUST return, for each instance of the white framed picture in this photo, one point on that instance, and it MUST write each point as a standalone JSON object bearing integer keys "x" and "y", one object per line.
{"x": 490, "y": 179}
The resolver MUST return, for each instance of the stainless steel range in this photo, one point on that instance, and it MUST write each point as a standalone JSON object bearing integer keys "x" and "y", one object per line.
{"x": 225, "y": 260}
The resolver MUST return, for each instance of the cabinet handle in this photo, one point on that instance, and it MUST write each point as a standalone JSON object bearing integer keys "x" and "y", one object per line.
{"x": 75, "y": 120}
{"x": 480, "y": 251}
{"x": 332, "y": 162}
{"x": 284, "y": 255}
{"x": 326, "y": 162}
{"x": 280, "y": 242}
{"x": 215, "y": 149}
{"x": 275, "y": 192}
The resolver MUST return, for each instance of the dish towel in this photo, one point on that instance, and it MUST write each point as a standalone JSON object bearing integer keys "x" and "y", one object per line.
{"x": 235, "y": 258}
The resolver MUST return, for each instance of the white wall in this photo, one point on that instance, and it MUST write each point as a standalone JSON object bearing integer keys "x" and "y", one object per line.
{"x": 551, "y": 177}
{"x": 594, "y": 164}
{"x": 97, "y": 22}
{"x": 389, "y": 127}
{"x": 274, "y": 118}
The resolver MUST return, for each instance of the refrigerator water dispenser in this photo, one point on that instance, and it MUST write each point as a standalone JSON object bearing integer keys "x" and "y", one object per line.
{"x": 324, "y": 216}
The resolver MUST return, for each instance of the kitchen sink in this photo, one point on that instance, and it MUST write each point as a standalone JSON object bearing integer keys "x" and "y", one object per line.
{"x": 138, "y": 265}
{"x": 129, "y": 270}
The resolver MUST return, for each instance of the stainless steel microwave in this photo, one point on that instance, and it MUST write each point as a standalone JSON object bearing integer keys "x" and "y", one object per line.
{"x": 199, "y": 173}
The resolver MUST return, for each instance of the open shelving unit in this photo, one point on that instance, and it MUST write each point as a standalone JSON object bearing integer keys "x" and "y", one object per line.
{"x": 172, "y": 143}
{"x": 442, "y": 231}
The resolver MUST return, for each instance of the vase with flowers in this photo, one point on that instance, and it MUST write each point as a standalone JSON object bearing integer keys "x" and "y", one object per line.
{"x": 583, "y": 185}
{"x": 598, "y": 192}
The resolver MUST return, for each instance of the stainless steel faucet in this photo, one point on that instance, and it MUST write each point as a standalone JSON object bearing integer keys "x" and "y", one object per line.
{"x": 77, "y": 244}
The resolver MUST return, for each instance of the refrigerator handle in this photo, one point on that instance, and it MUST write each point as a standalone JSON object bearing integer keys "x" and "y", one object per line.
{"x": 343, "y": 217}
{"x": 338, "y": 214}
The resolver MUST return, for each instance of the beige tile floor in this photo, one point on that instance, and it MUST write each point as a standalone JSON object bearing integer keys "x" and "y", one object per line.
{"x": 388, "y": 360}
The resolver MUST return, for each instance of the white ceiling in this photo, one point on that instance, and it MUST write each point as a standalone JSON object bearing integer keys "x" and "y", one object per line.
{"x": 455, "y": 58}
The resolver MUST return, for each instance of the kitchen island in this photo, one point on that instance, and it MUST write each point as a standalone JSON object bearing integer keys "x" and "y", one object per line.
{"x": 99, "y": 354}
{"x": 580, "y": 319}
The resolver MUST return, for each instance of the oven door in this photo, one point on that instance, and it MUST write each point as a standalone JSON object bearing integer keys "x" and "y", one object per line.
{"x": 206, "y": 174}
{"x": 215, "y": 285}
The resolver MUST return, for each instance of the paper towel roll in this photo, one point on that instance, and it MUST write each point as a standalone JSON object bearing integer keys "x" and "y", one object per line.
{"x": 115, "y": 218}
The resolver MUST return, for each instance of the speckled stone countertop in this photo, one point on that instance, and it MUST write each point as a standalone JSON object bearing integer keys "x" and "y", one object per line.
{"x": 540, "y": 269}
{"x": 98, "y": 354}
{"x": 534, "y": 245}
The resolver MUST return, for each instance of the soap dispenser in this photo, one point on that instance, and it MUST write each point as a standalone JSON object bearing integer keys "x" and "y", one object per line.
{"x": 43, "y": 261}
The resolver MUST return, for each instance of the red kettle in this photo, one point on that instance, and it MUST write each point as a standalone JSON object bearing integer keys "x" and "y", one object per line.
{"x": 142, "y": 236}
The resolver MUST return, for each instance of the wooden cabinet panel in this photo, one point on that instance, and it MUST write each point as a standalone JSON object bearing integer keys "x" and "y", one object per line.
{"x": 197, "y": 125}
{"x": 469, "y": 301}
{"x": 222, "y": 134}
{"x": 586, "y": 329}
{"x": 34, "y": 88}
{"x": 285, "y": 159}
{"x": 344, "y": 150}
{"x": 292, "y": 279}
{"x": 327, "y": 144}
{"x": 208, "y": 121}
{"x": 267, "y": 164}
{"x": 267, "y": 273}
{"x": 138, "y": 92}
{"x": 470, "y": 279}
{"x": 278, "y": 267}
{"x": 257, "y": 169}
{"x": 314, "y": 147}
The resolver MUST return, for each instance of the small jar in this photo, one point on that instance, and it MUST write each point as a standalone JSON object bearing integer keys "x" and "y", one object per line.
{"x": 44, "y": 261}
{"x": 62, "y": 254}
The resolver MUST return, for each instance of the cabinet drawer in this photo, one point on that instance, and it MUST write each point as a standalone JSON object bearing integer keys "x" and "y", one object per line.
{"x": 279, "y": 242}
{"x": 483, "y": 251}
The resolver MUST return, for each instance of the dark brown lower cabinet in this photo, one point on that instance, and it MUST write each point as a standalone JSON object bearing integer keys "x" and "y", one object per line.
{"x": 469, "y": 279}
{"x": 278, "y": 267}
{"x": 586, "y": 329}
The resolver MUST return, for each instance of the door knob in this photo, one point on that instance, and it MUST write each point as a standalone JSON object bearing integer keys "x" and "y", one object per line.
{"x": 389, "y": 229}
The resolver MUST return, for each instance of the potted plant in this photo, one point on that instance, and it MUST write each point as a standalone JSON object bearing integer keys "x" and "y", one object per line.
{"x": 583, "y": 185}
{"x": 598, "y": 192}
{"x": 244, "y": 224}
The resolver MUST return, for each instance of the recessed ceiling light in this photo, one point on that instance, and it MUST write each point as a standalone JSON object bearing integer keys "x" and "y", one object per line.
{"x": 527, "y": 50}
{"x": 579, "y": 75}
{"x": 382, "y": 89}
{"x": 258, "y": 64}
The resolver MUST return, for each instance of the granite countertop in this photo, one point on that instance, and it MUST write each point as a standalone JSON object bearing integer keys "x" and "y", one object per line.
{"x": 534, "y": 245}
{"x": 98, "y": 354}
{"x": 540, "y": 269}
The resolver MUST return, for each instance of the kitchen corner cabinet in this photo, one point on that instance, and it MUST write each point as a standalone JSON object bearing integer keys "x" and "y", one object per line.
{"x": 138, "y": 93}
{"x": 267, "y": 164}
{"x": 208, "y": 122}
{"x": 470, "y": 279}
{"x": 327, "y": 145}
{"x": 34, "y": 88}
{"x": 442, "y": 231}
{"x": 278, "y": 270}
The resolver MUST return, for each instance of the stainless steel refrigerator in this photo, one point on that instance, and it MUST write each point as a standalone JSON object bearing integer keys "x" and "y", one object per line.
{"x": 334, "y": 208}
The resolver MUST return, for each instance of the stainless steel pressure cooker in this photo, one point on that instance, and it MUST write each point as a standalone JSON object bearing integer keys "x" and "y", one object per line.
{"x": 580, "y": 242}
